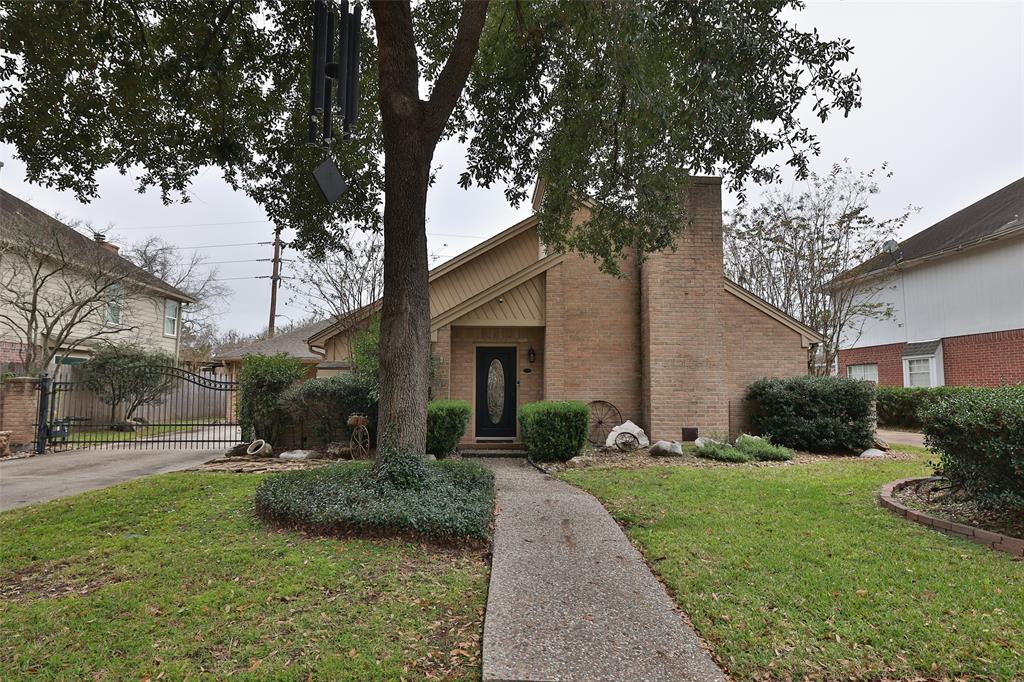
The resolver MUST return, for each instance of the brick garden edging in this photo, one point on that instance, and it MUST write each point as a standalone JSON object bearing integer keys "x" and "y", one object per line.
{"x": 997, "y": 541}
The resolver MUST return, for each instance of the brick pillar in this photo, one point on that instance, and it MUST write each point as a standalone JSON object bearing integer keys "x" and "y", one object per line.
{"x": 441, "y": 349}
{"x": 682, "y": 331}
{"x": 554, "y": 334}
{"x": 19, "y": 403}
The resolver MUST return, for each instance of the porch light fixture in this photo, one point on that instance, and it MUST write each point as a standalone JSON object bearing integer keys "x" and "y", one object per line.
{"x": 531, "y": 355}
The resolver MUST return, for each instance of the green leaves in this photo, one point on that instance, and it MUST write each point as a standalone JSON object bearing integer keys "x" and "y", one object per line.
{"x": 616, "y": 101}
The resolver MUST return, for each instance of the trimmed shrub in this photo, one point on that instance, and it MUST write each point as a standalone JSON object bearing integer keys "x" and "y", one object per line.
{"x": 979, "y": 436}
{"x": 554, "y": 430}
{"x": 819, "y": 414}
{"x": 324, "y": 404}
{"x": 762, "y": 450}
{"x": 723, "y": 452}
{"x": 261, "y": 382}
{"x": 448, "y": 500}
{"x": 446, "y": 424}
{"x": 901, "y": 407}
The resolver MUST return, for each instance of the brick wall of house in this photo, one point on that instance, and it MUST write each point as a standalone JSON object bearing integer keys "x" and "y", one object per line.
{"x": 593, "y": 335}
{"x": 888, "y": 357}
{"x": 758, "y": 346}
{"x": 464, "y": 341}
{"x": 19, "y": 403}
{"x": 683, "y": 336}
{"x": 441, "y": 351}
{"x": 989, "y": 359}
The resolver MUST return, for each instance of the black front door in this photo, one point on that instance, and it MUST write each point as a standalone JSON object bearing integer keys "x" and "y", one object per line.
{"x": 495, "y": 392}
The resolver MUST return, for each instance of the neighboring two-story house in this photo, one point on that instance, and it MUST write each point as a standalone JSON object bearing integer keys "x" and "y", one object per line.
{"x": 956, "y": 294}
{"x": 63, "y": 290}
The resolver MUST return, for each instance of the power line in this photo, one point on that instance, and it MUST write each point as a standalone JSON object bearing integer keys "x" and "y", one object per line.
{"x": 160, "y": 227}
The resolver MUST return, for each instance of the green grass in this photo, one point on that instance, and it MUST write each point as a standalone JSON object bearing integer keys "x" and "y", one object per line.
{"x": 111, "y": 436}
{"x": 172, "y": 577}
{"x": 794, "y": 571}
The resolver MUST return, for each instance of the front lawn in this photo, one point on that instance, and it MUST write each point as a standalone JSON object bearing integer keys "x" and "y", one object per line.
{"x": 794, "y": 571}
{"x": 171, "y": 577}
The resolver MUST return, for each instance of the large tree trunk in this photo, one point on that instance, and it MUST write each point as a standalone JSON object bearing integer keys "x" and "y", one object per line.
{"x": 411, "y": 130}
{"x": 405, "y": 315}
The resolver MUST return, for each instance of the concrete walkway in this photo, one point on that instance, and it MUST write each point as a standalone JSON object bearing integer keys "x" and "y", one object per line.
{"x": 901, "y": 437}
{"x": 570, "y": 598}
{"x": 46, "y": 477}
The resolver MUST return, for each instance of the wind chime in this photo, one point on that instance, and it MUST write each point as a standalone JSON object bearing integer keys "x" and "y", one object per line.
{"x": 334, "y": 82}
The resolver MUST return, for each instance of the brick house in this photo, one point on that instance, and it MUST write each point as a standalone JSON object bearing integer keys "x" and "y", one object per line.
{"x": 672, "y": 344}
{"x": 956, "y": 291}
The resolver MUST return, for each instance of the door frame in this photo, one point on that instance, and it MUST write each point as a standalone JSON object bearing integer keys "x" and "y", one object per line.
{"x": 515, "y": 392}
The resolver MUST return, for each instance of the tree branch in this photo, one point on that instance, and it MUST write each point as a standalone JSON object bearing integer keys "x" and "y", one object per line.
{"x": 452, "y": 79}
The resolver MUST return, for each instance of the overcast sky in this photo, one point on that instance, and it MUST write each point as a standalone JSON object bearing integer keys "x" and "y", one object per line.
{"x": 943, "y": 89}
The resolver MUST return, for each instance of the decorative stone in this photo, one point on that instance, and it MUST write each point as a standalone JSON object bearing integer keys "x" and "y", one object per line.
{"x": 628, "y": 427}
{"x": 704, "y": 441}
{"x": 5, "y": 443}
{"x": 872, "y": 453}
{"x": 430, "y": 458}
{"x": 579, "y": 461}
{"x": 300, "y": 454}
{"x": 259, "y": 448}
{"x": 667, "y": 448}
{"x": 880, "y": 444}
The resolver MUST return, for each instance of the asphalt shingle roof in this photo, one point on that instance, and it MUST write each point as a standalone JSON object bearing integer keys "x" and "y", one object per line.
{"x": 24, "y": 220}
{"x": 291, "y": 343}
{"x": 986, "y": 217}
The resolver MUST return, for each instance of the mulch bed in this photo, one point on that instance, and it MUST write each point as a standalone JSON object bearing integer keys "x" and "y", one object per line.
{"x": 641, "y": 458}
{"x": 259, "y": 465}
{"x": 938, "y": 497}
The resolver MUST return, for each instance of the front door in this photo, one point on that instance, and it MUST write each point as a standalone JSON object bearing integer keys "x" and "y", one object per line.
{"x": 495, "y": 392}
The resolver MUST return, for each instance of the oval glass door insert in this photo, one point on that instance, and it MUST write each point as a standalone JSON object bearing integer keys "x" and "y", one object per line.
{"x": 495, "y": 391}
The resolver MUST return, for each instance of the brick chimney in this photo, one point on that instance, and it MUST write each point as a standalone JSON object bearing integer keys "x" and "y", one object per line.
{"x": 101, "y": 239}
{"x": 682, "y": 332}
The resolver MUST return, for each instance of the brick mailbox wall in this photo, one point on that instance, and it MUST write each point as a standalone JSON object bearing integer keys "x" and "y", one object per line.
{"x": 19, "y": 401}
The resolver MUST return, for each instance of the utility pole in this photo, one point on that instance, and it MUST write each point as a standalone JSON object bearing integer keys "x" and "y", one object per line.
{"x": 274, "y": 279}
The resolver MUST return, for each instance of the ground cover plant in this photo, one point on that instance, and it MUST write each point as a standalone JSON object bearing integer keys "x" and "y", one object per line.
{"x": 794, "y": 572}
{"x": 722, "y": 452}
{"x": 746, "y": 449}
{"x": 447, "y": 501}
{"x": 816, "y": 414}
{"x": 170, "y": 577}
{"x": 554, "y": 430}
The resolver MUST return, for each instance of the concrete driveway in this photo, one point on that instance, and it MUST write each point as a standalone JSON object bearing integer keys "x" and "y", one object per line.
{"x": 46, "y": 477}
{"x": 901, "y": 437}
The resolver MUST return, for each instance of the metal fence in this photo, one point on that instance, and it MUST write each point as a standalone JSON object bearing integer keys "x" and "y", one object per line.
{"x": 175, "y": 409}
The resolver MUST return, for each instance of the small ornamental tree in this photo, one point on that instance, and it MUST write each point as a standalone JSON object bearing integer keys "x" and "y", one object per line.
{"x": 617, "y": 101}
{"x": 126, "y": 377}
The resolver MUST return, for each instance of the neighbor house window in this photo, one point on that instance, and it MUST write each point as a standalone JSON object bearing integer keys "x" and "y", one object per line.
{"x": 863, "y": 372}
{"x": 171, "y": 317}
{"x": 919, "y": 372}
{"x": 115, "y": 303}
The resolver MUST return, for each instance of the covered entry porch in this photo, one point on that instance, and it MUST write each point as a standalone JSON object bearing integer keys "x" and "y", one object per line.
{"x": 496, "y": 369}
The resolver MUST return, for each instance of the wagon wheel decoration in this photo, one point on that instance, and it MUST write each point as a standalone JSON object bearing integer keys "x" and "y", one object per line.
{"x": 626, "y": 442}
{"x": 603, "y": 418}
{"x": 359, "y": 442}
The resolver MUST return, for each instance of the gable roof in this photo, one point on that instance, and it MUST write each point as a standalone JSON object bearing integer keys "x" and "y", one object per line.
{"x": 445, "y": 268}
{"x": 998, "y": 215}
{"x": 23, "y": 217}
{"x": 292, "y": 343}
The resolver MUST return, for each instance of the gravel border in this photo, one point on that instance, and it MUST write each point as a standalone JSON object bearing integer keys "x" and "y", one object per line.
{"x": 996, "y": 541}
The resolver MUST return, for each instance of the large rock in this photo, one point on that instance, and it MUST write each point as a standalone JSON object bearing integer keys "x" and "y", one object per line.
{"x": 872, "y": 453}
{"x": 628, "y": 427}
{"x": 704, "y": 441}
{"x": 667, "y": 448}
{"x": 881, "y": 444}
{"x": 300, "y": 454}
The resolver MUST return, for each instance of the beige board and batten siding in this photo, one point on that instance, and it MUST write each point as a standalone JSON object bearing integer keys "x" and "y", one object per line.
{"x": 483, "y": 271}
{"x": 522, "y": 306}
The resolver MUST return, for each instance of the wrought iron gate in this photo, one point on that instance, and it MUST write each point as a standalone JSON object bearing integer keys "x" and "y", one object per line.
{"x": 177, "y": 409}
